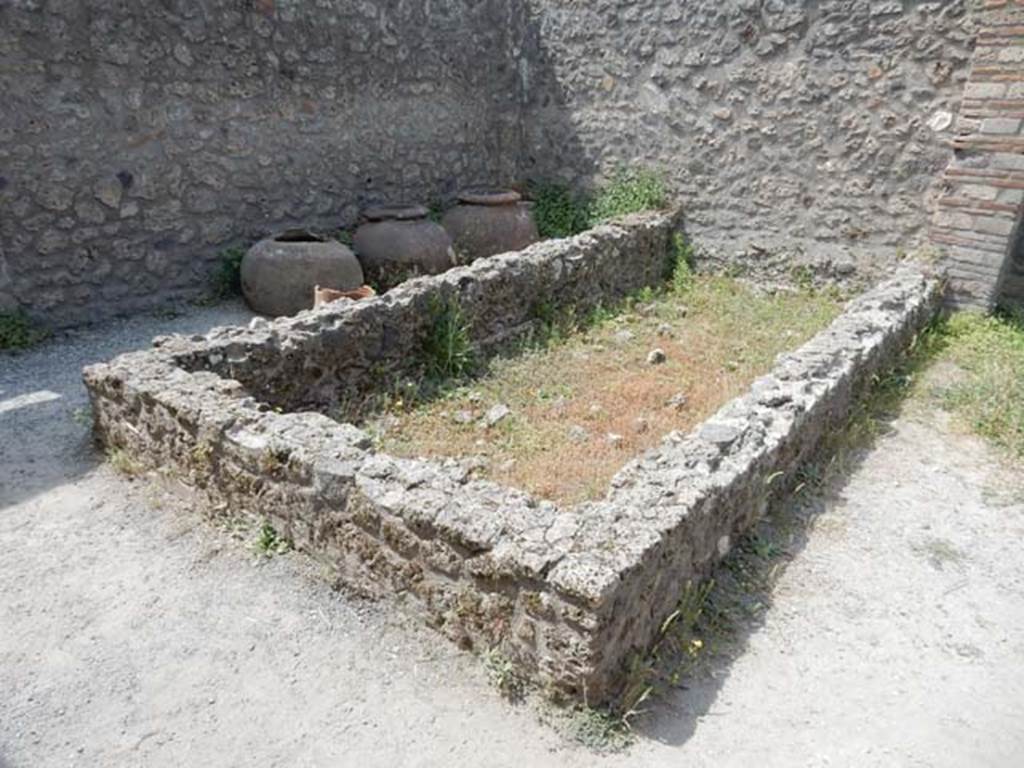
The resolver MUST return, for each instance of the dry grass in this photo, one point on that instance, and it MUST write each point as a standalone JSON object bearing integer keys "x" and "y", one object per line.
{"x": 570, "y": 399}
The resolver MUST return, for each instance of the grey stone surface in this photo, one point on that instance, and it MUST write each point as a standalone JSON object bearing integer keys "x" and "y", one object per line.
{"x": 138, "y": 140}
{"x": 567, "y": 594}
{"x": 796, "y": 134}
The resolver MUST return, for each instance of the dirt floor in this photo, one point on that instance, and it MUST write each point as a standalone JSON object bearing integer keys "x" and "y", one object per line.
{"x": 133, "y": 633}
{"x": 560, "y": 420}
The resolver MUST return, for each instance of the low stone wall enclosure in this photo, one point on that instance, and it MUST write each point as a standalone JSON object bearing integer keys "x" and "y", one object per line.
{"x": 568, "y": 594}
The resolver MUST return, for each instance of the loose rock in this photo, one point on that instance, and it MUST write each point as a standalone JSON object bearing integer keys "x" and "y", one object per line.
{"x": 656, "y": 356}
{"x": 578, "y": 434}
{"x": 496, "y": 414}
{"x": 677, "y": 401}
{"x": 463, "y": 417}
{"x": 719, "y": 434}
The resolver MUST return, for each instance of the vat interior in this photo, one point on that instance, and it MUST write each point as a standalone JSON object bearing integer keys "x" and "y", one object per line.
{"x": 298, "y": 236}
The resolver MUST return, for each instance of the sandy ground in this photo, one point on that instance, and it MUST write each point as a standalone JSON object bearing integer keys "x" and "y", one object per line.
{"x": 135, "y": 633}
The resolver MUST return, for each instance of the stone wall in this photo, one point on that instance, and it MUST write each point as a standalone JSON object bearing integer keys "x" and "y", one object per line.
{"x": 330, "y": 363}
{"x": 568, "y": 594}
{"x": 977, "y": 221}
{"x": 138, "y": 139}
{"x": 794, "y": 131}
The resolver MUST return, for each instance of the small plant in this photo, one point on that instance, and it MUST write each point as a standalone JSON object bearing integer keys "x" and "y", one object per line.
{"x": 547, "y": 321}
{"x": 689, "y": 608}
{"x": 645, "y": 295}
{"x": 561, "y": 213}
{"x": 384, "y": 279}
{"x": 938, "y": 552}
{"x": 274, "y": 458}
{"x": 600, "y": 730}
{"x": 803, "y": 276}
{"x": 269, "y": 542}
{"x": 764, "y": 548}
{"x": 557, "y": 212}
{"x": 504, "y": 676}
{"x": 227, "y": 278}
{"x": 990, "y": 395}
{"x": 82, "y": 416}
{"x": 680, "y": 265}
{"x": 18, "y": 332}
{"x": 673, "y": 655}
{"x": 201, "y": 455}
{"x": 435, "y": 210}
{"x": 638, "y": 688}
{"x": 124, "y": 463}
{"x": 447, "y": 349}
{"x": 630, "y": 191}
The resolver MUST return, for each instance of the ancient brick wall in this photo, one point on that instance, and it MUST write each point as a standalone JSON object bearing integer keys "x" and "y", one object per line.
{"x": 977, "y": 221}
{"x": 138, "y": 139}
{"x": 792, "y": 130}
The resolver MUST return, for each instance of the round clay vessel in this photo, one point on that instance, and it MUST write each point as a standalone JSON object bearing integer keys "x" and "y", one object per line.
{"x": 399, "y": 241}
{"x": 486, "y": 222}
{"x": 279, "y": 273}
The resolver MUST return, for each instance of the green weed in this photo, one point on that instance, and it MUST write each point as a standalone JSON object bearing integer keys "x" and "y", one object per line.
{"x": 447, "y": 349}
{"x": 269, "y": 543}
{"x": 561, "y": 213}
{"x": 124, "y": 463}
{"x": 504, "y": 675}
{"x": 629, "y": 191}
{"x": 435, "y": 210}
{"x": 679, "y": 265}
{"x": 803, "y": 277}
{"x": 989, "y": 397}
{"x": 17, "y": 331}
{"x": 227, "y": 278}
{"x": 557, "y": 211}
{"x": 82, "y": 416}
{"x": 600, "y": 730}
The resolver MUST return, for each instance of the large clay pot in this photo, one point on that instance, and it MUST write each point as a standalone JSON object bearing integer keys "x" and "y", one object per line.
{"x": 486, "y": 222}
{"x": 279, "y": 273}
{"x": 398, "y": 242}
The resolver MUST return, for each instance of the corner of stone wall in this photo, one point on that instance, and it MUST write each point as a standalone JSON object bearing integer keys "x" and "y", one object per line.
{"x": 568, "y": 594}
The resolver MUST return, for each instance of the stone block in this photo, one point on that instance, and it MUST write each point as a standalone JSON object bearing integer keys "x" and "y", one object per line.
{"x": 1001, "y": 125}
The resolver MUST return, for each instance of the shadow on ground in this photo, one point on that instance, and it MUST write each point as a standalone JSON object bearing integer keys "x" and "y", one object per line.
{"x": 690, "y": 667}
{"x": 44, "y": 409}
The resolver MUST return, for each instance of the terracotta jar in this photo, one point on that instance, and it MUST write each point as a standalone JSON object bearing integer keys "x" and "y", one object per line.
{"x": 486, "y": 222}
{"x": 398, "y": 242}
{"x": 280, "y": 272}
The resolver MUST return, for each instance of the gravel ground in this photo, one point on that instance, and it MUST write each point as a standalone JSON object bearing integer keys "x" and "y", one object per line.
{"x": 135, "y": 633}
